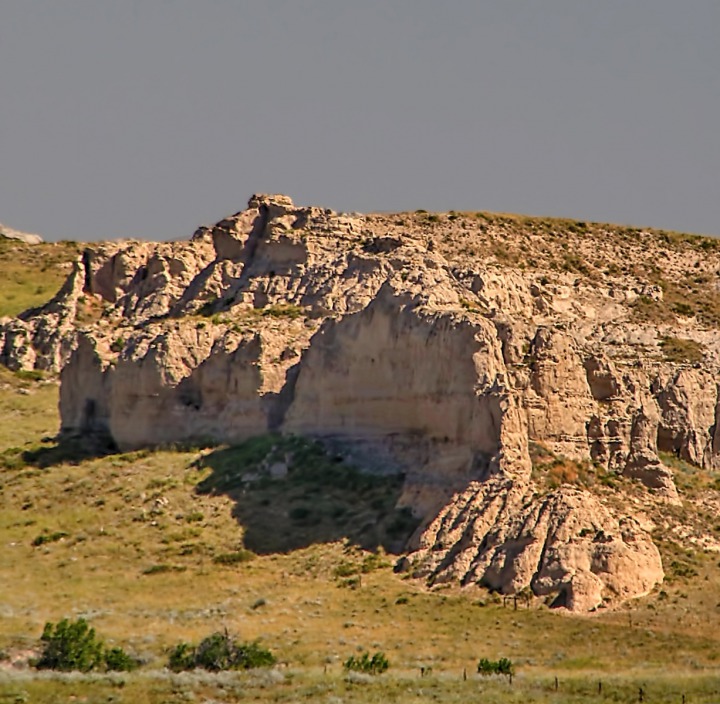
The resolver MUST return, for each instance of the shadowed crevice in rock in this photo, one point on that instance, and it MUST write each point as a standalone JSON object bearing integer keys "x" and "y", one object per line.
{"x": 280, "y": 402}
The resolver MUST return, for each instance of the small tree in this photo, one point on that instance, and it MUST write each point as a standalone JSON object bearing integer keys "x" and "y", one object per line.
{"x": 217, "y": 652}
{"x": 182, "y": 657}
{"x": 70, "y": 646}
{"x": 503, "y": 666}
{"x": 73, "y": 645}
{"x": 370, "y": 665}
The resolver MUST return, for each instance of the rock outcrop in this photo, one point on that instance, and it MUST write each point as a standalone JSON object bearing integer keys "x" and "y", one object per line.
{"x": 564, "y": 544}
{"x": 502, "y": 375}
{"x": 10, "y": 233}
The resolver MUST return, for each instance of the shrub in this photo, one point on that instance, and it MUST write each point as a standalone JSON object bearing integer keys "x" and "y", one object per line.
{"x": 117, "y": 660}
{"x": 219, "y": 652}
{"x": 282, "y": 310}
{"x": 346, "y": 569}
{"x": 351, "y": 583}
{"x": 372, "y": 562}
{"x": 682, "y": 308}
{"x": 370, "y": 665}
{"x": 70, "y": 646}
{"x": 182, "y": 657}
{"x": 682, "y": 569}
{"x": 503, "y": 666}
{"x": 74, "y": 646}
{"x": 44, "y": 538}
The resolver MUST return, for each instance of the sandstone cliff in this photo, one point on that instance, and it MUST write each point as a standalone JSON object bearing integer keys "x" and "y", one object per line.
{"x": 510, "y": 368}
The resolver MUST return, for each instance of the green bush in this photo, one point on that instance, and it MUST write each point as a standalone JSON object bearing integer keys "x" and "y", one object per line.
{"x": 283, "y": 310}
{"x": 217, "y": 652}
{"x": 73, "y": 646}
{"x": 370, "y": 665}
{"x": 182, "y": 657}
{"x": 503, "y": 666}
{"x": 117, "y": 660}
{"x": 44, "y": 538}
{"x": 346, "y": 569}
{"x": 70, "y": 646}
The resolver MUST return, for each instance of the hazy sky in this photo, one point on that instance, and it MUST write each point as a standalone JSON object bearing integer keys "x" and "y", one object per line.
{"x": 149, "y": 117}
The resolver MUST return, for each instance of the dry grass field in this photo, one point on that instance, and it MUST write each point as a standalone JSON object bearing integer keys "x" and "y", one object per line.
{"x": 138, "y": 544}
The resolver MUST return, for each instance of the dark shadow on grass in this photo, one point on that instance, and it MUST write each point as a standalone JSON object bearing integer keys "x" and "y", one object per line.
{"x": 289, "y": 493}
{"x": 68, "y": 450}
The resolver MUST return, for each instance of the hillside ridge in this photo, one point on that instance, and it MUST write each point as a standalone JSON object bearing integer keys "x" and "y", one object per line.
{"x": 517, "y": 371}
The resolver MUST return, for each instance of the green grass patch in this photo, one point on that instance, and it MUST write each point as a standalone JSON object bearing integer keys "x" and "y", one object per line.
{"x": 30, "y": 275}
{"x": 682, "y": 350}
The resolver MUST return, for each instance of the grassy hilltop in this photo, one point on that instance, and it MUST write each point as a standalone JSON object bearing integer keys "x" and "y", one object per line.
{"x": 158, "y": 547}
{"x": 31, "y": 274}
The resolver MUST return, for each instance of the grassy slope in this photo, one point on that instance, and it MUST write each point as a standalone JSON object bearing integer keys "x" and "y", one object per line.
{"x": 31, "y": 274}
{"x": 123, "y": 516}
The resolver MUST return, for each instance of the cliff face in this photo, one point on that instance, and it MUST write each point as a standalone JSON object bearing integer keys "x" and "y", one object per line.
{"x": 508, "y": 367}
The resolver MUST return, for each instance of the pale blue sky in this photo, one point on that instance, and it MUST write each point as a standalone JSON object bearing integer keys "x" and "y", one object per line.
{"x": 149, "y": 117}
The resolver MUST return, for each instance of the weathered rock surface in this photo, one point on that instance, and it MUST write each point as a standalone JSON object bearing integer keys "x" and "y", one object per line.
{"x": 12, "y": 234}
{"x": 564, "y": 544}
{"x": 448, "y": 348}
